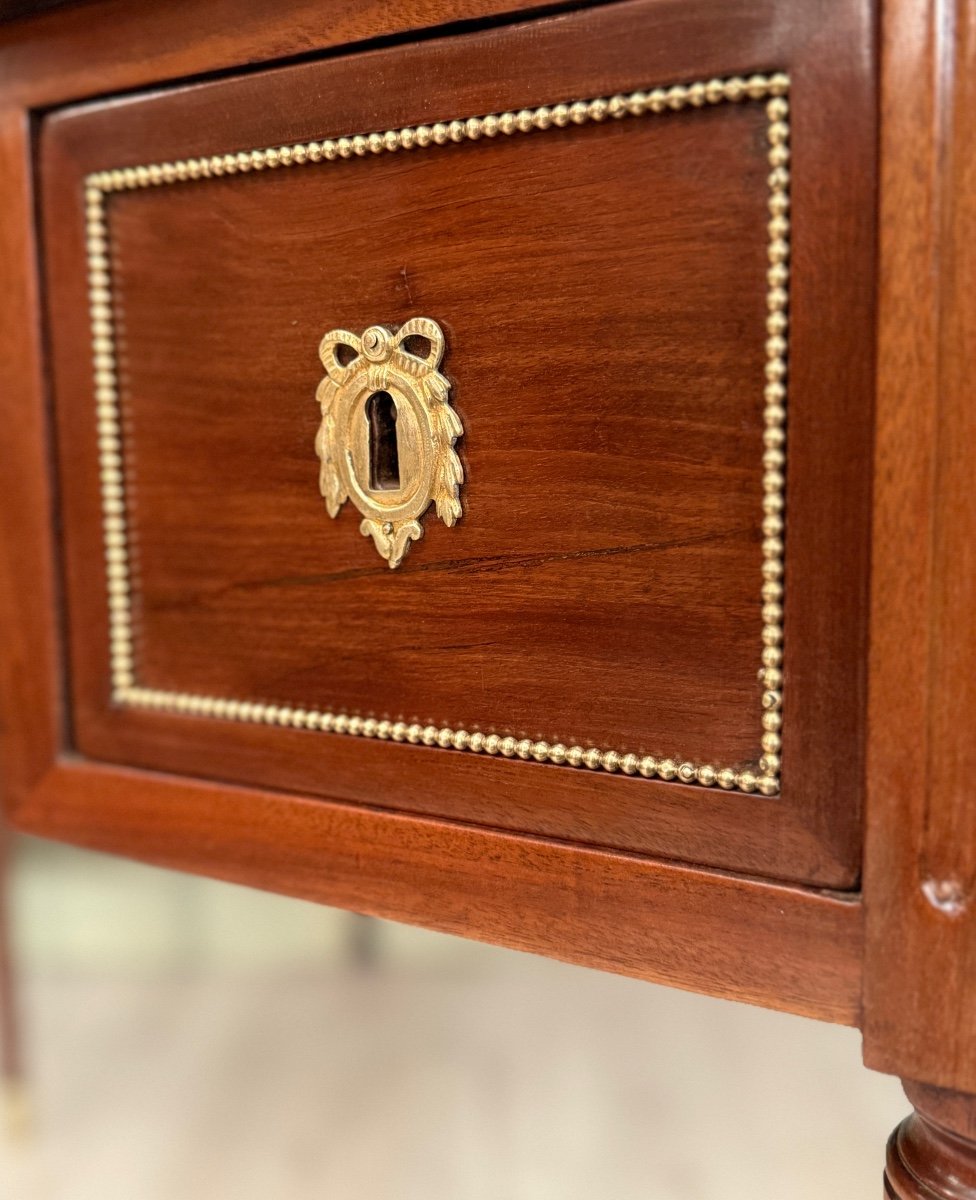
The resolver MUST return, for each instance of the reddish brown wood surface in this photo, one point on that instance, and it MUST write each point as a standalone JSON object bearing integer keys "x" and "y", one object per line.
{"x": 579, "y": 615}
{"x": 932, "y": 1154}
{"x": 920, "y": 881}
{"x": 58, "y": 57}
{"x": 776, "y": 945}
{"x": 742, "y": 939}
{"x": 602, "y": 587}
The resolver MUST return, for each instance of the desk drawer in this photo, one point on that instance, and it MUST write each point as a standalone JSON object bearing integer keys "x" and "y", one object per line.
{"x": 524, "y": 307}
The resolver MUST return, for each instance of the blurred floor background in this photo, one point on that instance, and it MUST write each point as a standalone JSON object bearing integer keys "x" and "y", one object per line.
{"x": 189, "y": 1040}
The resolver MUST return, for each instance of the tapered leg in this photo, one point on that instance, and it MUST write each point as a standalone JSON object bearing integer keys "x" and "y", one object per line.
{"x": 932, "y": 1153}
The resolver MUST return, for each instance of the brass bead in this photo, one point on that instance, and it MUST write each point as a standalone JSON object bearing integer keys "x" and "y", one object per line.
{"x": 578, "y": 112}
{"x": 677, "y": 97}
{"x": 476, "y": 742}
{"x": 560, "y": 115}
{"x": 768, "y": 785}
{"x": 591, "y": 758}
{"x": 777, "y": 133}
{"x": 508, "y": 747}
{"x": 757, "y": 86}
{"x": 667, "y": 768}
{"x": 688, "y": 772}
{"x": 628, "y": 764}
{"x": 746, "y": 781}
{"x": 460, "y": 739}
{"x": 707, "y": 776}
{"x": 657, "y": 101}
{"x": 610, "y": 760}
{"x": 714, "y": 91}
{"x": 778, "y": 179}
{"x": 445, "y": 738}
{"x": 574, "y": 756}
{"x": 776, "y": 298}
{"x": 778, "y": 228}
{"x": 770, "y": 742}
{"x": 615, "y": 107}
{"x": 524, "y": 748}
{"x": 777, "y": 109}
{"x": 542, "y": 117}
{"x": 647, "y": 766}
{"x": 540, "y": 751}
{"x": 726, "y": 778}
{"x": 557, "y": 753}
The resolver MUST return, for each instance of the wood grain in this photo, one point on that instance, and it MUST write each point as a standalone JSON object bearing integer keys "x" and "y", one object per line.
{"x": 567, "y": 640}
{"x": 932, "y": 1154}
{"x": 602, "y": 587}
{"x": 921, "y": 840}
{"x": 776, "y": 945}
{"x": 742, "y": 939}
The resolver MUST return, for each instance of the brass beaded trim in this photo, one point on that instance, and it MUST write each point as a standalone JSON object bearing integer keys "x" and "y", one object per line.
{"x": 126, "y": 692}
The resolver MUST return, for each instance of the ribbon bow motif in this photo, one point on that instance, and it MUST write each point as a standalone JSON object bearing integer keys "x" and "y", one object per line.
{"x": 384, "y": 360}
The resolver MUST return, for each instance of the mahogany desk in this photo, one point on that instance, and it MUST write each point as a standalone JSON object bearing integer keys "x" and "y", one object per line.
{"x": 509, "y": 469}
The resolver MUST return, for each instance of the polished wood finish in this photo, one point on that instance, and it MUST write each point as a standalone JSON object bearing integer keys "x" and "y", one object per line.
{"x": 244, "y": 588}
{"x": 520, "y": 861}
{"x": 758, "y": 942}
{"x": 920, "y": 867}
{"x": 932, "y": 1154}
{"x": 552, "y": 614}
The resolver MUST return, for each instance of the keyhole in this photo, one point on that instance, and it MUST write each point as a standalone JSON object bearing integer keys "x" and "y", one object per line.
{"x": 384, "y": 455}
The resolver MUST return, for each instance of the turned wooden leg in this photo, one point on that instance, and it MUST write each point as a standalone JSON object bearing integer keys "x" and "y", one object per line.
{"x": 932, "y": 1153}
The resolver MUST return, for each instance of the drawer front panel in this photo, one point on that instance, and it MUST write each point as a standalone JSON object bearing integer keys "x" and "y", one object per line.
{"x": 608, "y": 255}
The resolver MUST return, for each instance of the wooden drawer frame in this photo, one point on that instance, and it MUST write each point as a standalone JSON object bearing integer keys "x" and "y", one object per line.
{"x": 867, "y": 957}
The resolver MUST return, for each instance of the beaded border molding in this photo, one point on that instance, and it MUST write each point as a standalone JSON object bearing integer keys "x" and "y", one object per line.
{"x": 126, "y": 692}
